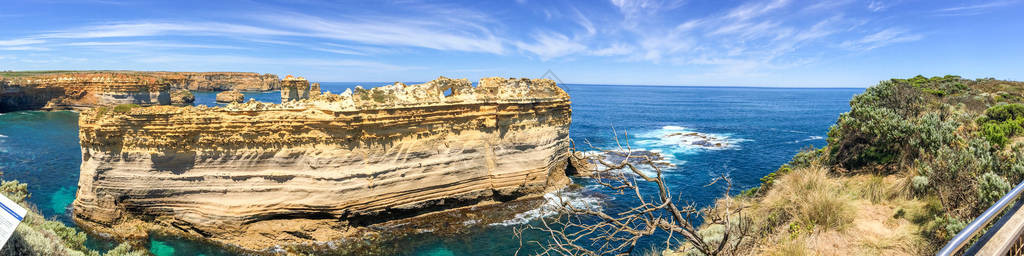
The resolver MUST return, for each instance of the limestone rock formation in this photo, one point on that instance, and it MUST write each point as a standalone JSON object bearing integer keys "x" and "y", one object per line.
{"x": 257, "y": 175}
{"x": 297, "y": 88}
{"x": 182, "y": 97}
{"x": 220, "y": 81}
{"x": 230, "y": 96}
{"x": 81, "y": 90}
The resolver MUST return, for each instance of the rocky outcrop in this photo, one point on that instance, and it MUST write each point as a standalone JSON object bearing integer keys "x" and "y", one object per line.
{"x": 230, "y": 96}
{"x": 257, "y": 175}
{"x": 81, "y": 90}
{"x": 296, "y": 88}
{"x": 182, "y": 97}
{"x": 220, "y": 81}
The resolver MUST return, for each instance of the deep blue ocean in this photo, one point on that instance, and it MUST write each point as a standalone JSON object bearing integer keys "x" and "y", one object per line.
{"x": 760, "y": 128}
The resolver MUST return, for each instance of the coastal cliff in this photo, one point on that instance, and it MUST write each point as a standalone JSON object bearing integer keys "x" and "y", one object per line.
{"x": 59, "y": 90}
{"x": 79, "y": 90}
{"x": 313, "y": 169}
{"x": 220, "y": 81}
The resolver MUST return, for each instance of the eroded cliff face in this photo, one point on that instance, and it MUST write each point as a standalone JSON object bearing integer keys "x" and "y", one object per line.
{"x": 256, "y": 175}
{"x": 220, "y": 81}
{"x": 80, "y": 90}
{"x": 75, "y": 89}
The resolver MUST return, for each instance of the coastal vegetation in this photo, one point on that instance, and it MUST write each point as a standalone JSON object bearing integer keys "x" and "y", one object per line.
{"x": 37, "y": 235}
{"x": 911, "y": 163}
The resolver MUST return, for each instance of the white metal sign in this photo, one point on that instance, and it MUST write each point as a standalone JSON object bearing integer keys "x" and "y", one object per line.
{"x": 11, "y": 215}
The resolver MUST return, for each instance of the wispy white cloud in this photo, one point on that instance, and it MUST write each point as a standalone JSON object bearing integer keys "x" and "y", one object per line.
{"x": 881, "y": 38}
{"x": 24, "y": 48}
{"x": 617, "y": 49}
{"x": 584, "y": 22}
{"x": 439, "y": 33}
{"x": 233, "y": 60}
{"x": 975, "y": 9}
{"x": 633, "y": 10}
{"x": 877, "y": 6}
{"x": 146, "y": 29}
{"x": 548, "y": 45}
{"x": 148, "y": 44}
{"x": 755, "y": 9}
{"x": 21, "y": 41}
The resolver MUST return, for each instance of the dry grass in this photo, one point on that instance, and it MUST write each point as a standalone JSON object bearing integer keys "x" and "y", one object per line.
{"x": 808, "y": 212}
{"x": 811, "y": 199}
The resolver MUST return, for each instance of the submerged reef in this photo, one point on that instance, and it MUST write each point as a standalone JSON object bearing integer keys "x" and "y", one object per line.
{"x": 320, "y": 167}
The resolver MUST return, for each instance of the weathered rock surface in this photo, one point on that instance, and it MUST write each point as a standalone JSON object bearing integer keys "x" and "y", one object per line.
{"x": 182, "y": 97}
{"x": 295, "y": 88}
{"x": 80, "y": 90}
{"x": 256, "y": 175}
{"x": 230, "y": 96}
{"x": 220, "y": 81}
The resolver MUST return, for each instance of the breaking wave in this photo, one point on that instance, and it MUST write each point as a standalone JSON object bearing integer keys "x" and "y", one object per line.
{"x": 678, "y": 139}
{"x": 639, "y": 157}
{"x": 809, "y": 139}
{"x": 579, "y": 199}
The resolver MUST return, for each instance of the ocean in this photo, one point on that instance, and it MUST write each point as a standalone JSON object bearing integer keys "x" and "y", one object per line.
{"x": 758, "y": 129}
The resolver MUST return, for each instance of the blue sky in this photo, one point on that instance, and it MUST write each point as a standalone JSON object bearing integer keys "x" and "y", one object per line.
{"x": 717, "y": 43}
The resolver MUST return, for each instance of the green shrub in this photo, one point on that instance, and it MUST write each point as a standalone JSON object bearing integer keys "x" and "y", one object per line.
{"x": 124, "y": 108}
{"x": 919, "y": 184}
{"x": 1002, "y": 122}
{"x": 15, "y": 190}
{"x": 991, "y": 187}
{"x": 806, "y": 157}
{"x": 102, "y": 110}
{"x": 38, "y": 236}
{"x": 768, "y": 180}
{"x": 125, "y": 249}
{"x": 71, "y": 237}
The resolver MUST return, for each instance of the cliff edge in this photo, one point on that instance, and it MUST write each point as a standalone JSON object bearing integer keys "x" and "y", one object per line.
{"x": 312, "y": 169}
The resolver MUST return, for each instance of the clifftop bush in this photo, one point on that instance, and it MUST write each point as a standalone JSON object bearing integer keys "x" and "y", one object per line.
{"x": 939, "y": 150}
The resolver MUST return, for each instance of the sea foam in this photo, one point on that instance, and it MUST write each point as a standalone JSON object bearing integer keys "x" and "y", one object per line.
{"x": 552, "y": 202}
{"x": 678, "y": 139}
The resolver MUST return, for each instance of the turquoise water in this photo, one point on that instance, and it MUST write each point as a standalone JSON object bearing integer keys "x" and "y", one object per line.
{"x": 763, "y": 127}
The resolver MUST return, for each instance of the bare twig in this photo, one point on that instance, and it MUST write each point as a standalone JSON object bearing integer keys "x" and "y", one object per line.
{"x": 578, "y": 230}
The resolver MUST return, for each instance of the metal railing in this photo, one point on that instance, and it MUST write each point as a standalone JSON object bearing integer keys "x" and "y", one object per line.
{"x": 972, "y": 229}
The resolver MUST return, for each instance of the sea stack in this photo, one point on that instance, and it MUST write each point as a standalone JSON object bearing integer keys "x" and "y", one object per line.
{"x": 296, "y": 88}
{"x": 230, "y": 96}
{"x": 259, "y": 175}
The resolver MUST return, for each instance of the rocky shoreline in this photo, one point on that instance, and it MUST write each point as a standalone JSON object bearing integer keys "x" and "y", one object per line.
{"x": 320, "y": 167}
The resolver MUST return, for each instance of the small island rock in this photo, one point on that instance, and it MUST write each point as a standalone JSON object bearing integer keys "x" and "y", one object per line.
{"x": 230, "y": 96}
{"x": 182, "y": 97}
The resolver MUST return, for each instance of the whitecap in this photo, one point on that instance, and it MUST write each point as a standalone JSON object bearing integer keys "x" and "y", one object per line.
{"x": 638, "y": 157}
{"x": 809, "y": 139}
{"x": 552, "y": 202}
{"x": 678, "y": 139}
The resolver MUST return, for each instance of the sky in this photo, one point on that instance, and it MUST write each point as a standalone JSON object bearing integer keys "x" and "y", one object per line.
{"x": 784, "y": 43}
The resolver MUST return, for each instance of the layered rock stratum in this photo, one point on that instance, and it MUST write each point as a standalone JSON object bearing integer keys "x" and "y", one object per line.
{"x": 220, "y": 81}
{"x": 259, "y": 175}
{"x": 81, "y": 89}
